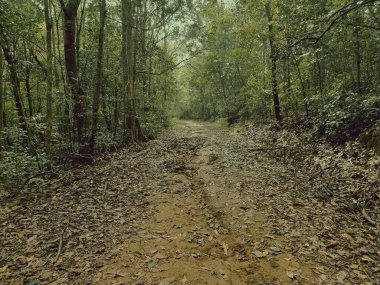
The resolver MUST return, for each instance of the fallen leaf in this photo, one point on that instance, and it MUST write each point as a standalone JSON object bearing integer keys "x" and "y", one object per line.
{"x": 3, "y": 269}
{"x": 159, "y": 256}
{"x": 366, "y": 258}
{"x": 225, "y": 248}
{"x": 152, "y": 264}
{"x": 260, "y": 254}
{"x": 184, "y": 280}
{"x": 341, "y": 275}
{"x": 290, "y": 274}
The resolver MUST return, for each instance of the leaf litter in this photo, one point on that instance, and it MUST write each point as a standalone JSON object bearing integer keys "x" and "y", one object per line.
{"x": 202, "y": 205}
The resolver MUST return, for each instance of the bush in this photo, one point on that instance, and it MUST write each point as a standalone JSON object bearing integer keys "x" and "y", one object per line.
{"x": 344, "y": 116}
{"x": 16, "y": 166}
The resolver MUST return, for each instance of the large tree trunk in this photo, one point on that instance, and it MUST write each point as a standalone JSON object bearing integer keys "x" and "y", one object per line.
{"x": 49, "y": 79}
{"x": 69, "y": 30}
{"x": 273, "y": 58}
{"x": 99, "y": 75}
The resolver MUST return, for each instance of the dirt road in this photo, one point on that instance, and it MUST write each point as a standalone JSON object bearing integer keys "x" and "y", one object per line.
{"x": 203, "y": 228}
{"x": 200, "y": 205}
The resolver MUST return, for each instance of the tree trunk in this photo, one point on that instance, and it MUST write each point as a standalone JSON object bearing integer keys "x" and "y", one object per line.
{"x": 130, "y": 63}
{"x": 49, "y": 80}
{"x": 1, "y": 98}
{"x": 107, "y": 120}
{"x": 124, "y": 59}
{"x": 99, "y": 75}
{"x": 79, "y": 25}
{"x": 17, "y": 93}
{"x": 358, "y": 61}
{"x": 303, "y": 91}
{"x": 65, "y": 117}
{"x": 27, "y": 84}
{"x": 16, "y": 85}
{"x": 320, "y": 75}
{"x": 132, "y": 122}
{"x": 273, "y": 57}
{"x": 69, "y": 30}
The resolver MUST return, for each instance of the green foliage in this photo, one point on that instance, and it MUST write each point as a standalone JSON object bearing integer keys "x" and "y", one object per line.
{"x": 16, "y": 165}
{"x": 327, "y": 63}
{"x": 344, "y": 116}
{"x": 22, "y": 25}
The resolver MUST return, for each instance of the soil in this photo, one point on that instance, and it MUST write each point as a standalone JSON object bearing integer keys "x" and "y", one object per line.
{"x": 200, "y": 205}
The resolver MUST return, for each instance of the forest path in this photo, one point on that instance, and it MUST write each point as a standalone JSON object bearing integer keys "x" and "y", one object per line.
{"x": 202, "y": 204}
{"x": 201, "y": 227}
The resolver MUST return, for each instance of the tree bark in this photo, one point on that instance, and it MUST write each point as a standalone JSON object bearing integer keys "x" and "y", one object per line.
{"x": 99, "y": 75}
{"x": 273, "y": 58}
{"x": 302, "y": 83}
{"x": 320, "y": 74}
{"x": 124, "y": 59}
{"x": 1, "y": 98}
{"x": 27, "y": 84}
{"x": 49, "y": 80}
{"x": 65, "y": 128}
{"x": 72, "y": 71}
{"x": 132, "y": 123}
{"x": 15, "y": 82}
{"x": 79, "y": 25}
{"x": 358, "y": 61}
{"x": 17, "y": 93}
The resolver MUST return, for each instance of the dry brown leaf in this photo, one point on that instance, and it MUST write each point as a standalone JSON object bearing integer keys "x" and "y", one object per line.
{"x": 341, "y": 276}
{"x": 3, "y": 269}
{"x": 225, "y": 248}
{"x": 260, "y": 254}
{"x": 159, "y": 256}
{"x": 184, "y": 280}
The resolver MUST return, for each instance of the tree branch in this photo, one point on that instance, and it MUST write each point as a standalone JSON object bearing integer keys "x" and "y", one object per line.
{"x": 333, "y": 20}
{"x": 169, "y": 69}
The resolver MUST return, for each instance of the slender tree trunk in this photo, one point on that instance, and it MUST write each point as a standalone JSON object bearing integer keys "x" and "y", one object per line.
{"x": 27, "y": 85}
{"x": 99, "y": 75}
{"x": 221, "y": 78}
{"x": 320, "y": 75}
{"x": 57, "y": 79}
{"x": 303, "y": 89}
{"x": 17, "y": 94}
{"x": 105, "y": 112}
{"x": 128, "y": 50}
{"x": 1, "y": 98}
{"x": 4, "y": 118}
{"x": 70, "y": 14}
{"x": 273, "y": 57}
{"x": 130, "y": 73}
{"x": 144, "y": 77}
{"x": 124, "y": 59}
{"x": 16, "y": 87}
{"x": 116, "y": 112}
{"x": 358, "y": 61}
{"x": 65, "y": 116}
{"x": 49, "y": 80}
{"x": 80, "y": 25}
